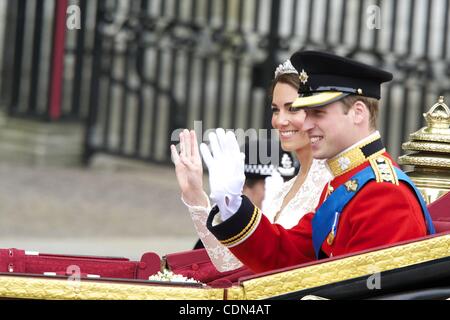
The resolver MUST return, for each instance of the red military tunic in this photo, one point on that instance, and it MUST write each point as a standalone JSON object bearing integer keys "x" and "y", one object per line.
{"x": 380, "y": 213}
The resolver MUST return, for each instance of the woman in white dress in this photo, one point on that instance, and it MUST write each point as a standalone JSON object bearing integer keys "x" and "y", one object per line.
{"x": 284, "y": 205}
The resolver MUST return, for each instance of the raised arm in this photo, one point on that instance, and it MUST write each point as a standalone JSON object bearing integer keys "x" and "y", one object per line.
{"x": 189, "y": 172}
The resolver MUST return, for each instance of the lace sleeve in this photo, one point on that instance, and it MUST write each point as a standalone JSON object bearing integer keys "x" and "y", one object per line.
{"x": 220, "y": 256}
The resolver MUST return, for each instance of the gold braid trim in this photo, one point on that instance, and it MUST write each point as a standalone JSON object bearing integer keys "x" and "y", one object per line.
{"x": 249, "y": 228}
{"x": 384, "y": 170}
{"x": 350, "y": 159}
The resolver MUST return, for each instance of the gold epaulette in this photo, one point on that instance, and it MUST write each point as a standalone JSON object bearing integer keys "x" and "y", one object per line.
{"x": 384, "y": 170}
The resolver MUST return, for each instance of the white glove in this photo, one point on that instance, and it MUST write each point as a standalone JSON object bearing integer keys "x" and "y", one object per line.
{"x": 226, "y": 171}
{"x": 272, "y": 185}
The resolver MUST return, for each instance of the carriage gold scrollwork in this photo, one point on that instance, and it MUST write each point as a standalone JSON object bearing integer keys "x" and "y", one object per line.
{"x": 430, "y": 153}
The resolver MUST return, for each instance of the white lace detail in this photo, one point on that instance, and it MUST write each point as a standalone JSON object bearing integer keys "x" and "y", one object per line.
{"x": 304, "y": 201}
{"x": 221, "y": 257}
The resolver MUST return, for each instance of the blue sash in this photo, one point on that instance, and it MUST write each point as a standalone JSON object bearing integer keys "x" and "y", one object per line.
{"x": 326, "y": 218}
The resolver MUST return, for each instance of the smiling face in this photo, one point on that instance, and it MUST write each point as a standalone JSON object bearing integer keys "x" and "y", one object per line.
{"x": 330, "y": 130}
{"x": 287, "y": 120}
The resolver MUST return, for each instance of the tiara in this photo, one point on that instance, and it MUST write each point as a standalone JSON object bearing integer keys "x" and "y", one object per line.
{"x": 285, "y": 67}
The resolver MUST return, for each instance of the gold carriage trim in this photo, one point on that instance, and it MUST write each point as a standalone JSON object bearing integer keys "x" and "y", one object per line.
{"x": 350, "y": 159}
{"x": 384, "y": 170}
{"x": 272, "y": 285}
{"x": 357, "y": 266}
{"x": 246, "y": 232}
{"x": 62, "y": 289}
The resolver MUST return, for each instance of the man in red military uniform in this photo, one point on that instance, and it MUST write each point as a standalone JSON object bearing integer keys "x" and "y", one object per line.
{"x": 370, "y": 202}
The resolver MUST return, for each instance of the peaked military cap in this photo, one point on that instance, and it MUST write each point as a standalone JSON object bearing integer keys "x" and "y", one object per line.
{"x": 326, "y": 78}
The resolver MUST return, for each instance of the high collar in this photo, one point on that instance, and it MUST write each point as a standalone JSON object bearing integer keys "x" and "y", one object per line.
{"x": 365, "y": 149}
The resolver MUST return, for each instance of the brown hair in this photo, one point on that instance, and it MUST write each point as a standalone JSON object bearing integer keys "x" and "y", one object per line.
{"x": 287, "y": 78}
{"x": 371, "y": 103}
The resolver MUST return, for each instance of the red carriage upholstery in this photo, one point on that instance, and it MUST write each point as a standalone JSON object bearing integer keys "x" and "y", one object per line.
{"x": 23, "y": 262}
{"x": 440, "y": 213}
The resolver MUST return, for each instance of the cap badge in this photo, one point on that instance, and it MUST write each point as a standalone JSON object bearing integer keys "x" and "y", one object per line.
{"x": 344, "y": 163}
{"x": 303, "y": 77}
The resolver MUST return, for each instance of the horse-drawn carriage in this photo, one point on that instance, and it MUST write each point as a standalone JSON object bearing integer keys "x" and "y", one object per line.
{"x": 415, "y": 269}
